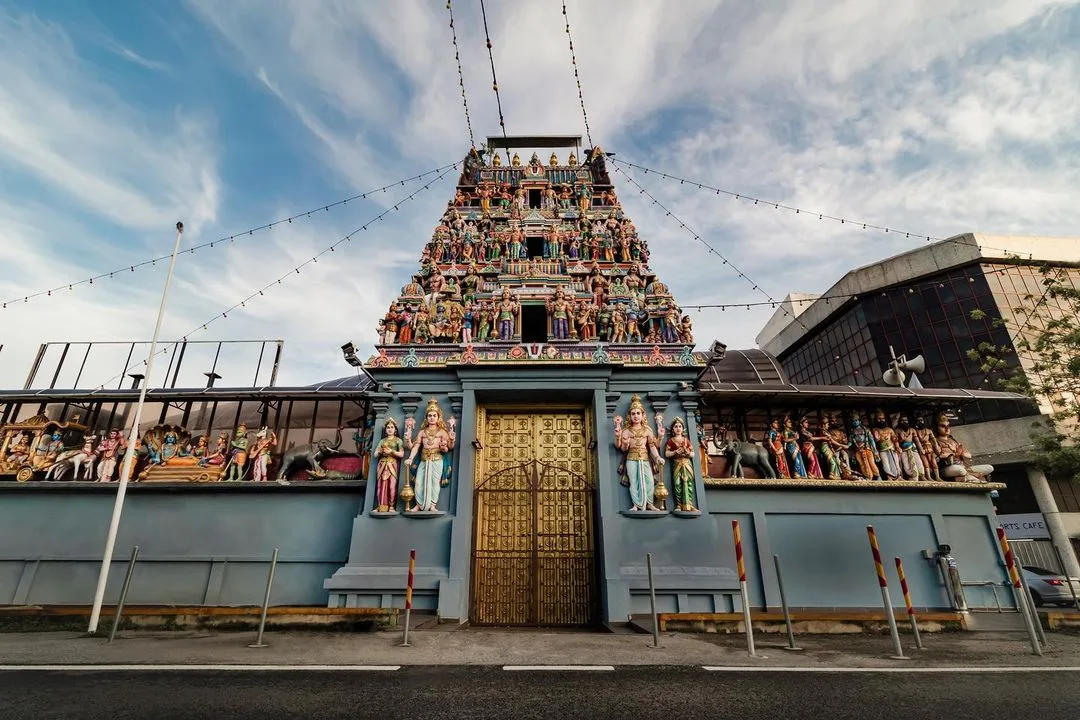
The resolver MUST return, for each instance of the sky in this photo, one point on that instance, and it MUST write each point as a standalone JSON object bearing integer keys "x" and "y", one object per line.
{"x": 118, "y": 119}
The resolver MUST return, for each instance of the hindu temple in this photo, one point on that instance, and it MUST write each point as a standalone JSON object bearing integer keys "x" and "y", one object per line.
{"x": 535, "y": 420}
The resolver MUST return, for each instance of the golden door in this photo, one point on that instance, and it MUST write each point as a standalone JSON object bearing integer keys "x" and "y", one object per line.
{"x": 533, "y": 551}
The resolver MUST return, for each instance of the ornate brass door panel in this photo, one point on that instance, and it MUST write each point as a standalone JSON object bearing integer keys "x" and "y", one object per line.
{"x": 533, "y": 553}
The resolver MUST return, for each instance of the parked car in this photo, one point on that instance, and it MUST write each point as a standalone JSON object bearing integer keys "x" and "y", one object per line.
{"x": 1050, "y": 588}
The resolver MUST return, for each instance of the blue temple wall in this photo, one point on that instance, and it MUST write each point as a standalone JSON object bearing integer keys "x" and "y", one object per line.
{"x": 198, "y": 545}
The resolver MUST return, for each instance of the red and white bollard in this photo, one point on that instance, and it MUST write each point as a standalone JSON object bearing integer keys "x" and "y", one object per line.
{"x": 884, "y": 583}
{"x": 742, "y": 588}
{"x": 1022, "y": 601}
{"x": 907, "y": 602}
{"x": 408, "y": 598}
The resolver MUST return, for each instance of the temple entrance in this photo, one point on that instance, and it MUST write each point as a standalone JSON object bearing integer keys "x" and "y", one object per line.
{"x": 534, "y": 557}
{"x": 533, "y": 324}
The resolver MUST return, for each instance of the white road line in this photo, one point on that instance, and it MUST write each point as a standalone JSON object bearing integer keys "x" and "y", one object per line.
{"x": 594, "y": 668}
{"x": 180, "y": 668}
{"x": 959, "y": 669}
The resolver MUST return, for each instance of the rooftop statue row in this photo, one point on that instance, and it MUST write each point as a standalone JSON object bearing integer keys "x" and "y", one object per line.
{"x": 874, "y": 448}
{"x": 43, "y": 449}
{"x": 460, "y": 239}
{"x": 475, "y": 163}
{"x": 619, "y": 310}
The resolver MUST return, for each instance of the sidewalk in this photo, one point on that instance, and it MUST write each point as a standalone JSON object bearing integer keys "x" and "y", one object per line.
{"x": 469, "y": 646}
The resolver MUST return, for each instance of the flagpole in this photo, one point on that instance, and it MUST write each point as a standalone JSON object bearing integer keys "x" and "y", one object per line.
{"x": 129, "y": 454}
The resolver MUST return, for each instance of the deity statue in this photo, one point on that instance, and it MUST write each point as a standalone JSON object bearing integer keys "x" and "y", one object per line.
{"x": 790, "y": 439}
{"x": 265, "y": 442}
{"x": 436, "y": 438}
{"x": 954, "y": 459}
{"x": 390, "y": 451}
{"x": 829, "y": 449}
{"x": 584, "y": 196}
{"x": 774, "y": 443}
{"x": 885, "y": 439}
{"x": 680, "y": 451}
{"x": 641, "y": 453}
{"x": 560, "y": 310}
{"x": 910, "y": 460}
{"x": 686, "y": 330}
{"x": 506, "y": 318}
{"x": 220, "y": 454}
{"x": 928, "y": 449}
{"x": 535, "y": 166}
{"x": 238, "y": 455}
{"x": 865, "y": 450}
{"x": 110, "y": 450}
{"x": 809, "y": 452}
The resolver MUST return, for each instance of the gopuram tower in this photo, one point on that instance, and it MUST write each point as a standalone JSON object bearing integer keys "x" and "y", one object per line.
{"x": 534, "y": 415}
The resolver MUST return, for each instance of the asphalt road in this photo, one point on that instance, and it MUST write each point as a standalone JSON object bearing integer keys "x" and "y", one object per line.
{"x": 476, "y": 692}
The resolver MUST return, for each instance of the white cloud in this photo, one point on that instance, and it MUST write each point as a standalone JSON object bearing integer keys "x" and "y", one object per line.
{"x": 935, "y": 116}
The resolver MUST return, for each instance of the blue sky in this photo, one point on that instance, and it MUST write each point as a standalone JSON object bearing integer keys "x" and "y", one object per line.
{"x": 117, "y": 119}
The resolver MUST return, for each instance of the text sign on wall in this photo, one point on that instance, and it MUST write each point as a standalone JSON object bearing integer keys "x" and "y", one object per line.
{"x": 1031, "y": 526}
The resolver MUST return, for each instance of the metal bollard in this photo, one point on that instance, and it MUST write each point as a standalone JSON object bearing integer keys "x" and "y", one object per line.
{"x": 1030, "y": 603}
{"x": 884, "y": 584}
{"x": 1018, "y": 592}
{"x": 742, "y": 589}
{"x": 907, "y": 602}
{"x": 784, "y": 605}
{"x": 652, "y": 603}
{"x": 124, "y": 592}
{"x": 1065, "y": 572}
{"x": 266, "y": 602}
{"x": 408, "y": 598}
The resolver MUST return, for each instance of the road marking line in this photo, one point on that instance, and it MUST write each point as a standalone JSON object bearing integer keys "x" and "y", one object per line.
{"x": 594, "y": 668}
{"x": 173, "y": 668}
{"x": 961, "y": 669}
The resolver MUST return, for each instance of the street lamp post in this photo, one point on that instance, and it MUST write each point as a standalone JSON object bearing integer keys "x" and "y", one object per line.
{"x": 129, "y": 454}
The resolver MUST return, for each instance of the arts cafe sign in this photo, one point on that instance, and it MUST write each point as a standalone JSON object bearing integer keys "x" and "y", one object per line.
{"x": 1025, "y": 526}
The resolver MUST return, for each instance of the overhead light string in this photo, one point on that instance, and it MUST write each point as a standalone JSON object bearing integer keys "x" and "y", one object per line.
{"x": 802, "y": 211}
{"x": 711, "y": 249}
{"x": 132, "y": 267}
{"x": 224, "y": 314}
{"x": 577, "y": 78}
{"x": 494, "y": 79}
{"x": 461, "y": 76}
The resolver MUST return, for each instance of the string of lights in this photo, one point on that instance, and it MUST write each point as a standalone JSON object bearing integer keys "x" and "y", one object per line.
{"x": 802, "y": 211}
{"x": 757, "y": 288}
{"x": 242, "y": 304}
{"x": 461, "y": 76}
{"x": 577, "y": 78}
{"x": 842, "y": 297}
{"x": 494, "y": 79}
{"x": 150, "y": 262}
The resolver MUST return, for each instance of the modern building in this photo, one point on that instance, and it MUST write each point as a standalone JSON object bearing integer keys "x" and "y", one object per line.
{"x": 535, "y": 422}
{"x": 921, "y": 303}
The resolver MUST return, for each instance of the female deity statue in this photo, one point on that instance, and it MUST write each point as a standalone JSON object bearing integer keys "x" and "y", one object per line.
{"x": 828, "y": 451}
{"x": 435, "y": 438}
{"x": 774, "y": 443}
{"x": 806, "y": 439}
{"x": 791, "y": 446}
{"x": 390, "y": 451}
{"x": 640, "y": 446}
{"x": 484, "y": 314}
{"x": 680, "y": 450}
{"x": 507, "y": 315}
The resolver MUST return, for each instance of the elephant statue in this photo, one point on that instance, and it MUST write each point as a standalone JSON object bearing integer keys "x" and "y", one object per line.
{"x": 308, "y": 458}
{"x": 753, "y": 455}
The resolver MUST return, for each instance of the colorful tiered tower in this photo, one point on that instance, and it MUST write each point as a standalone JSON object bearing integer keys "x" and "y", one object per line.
{"x": 530, "y": 364}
